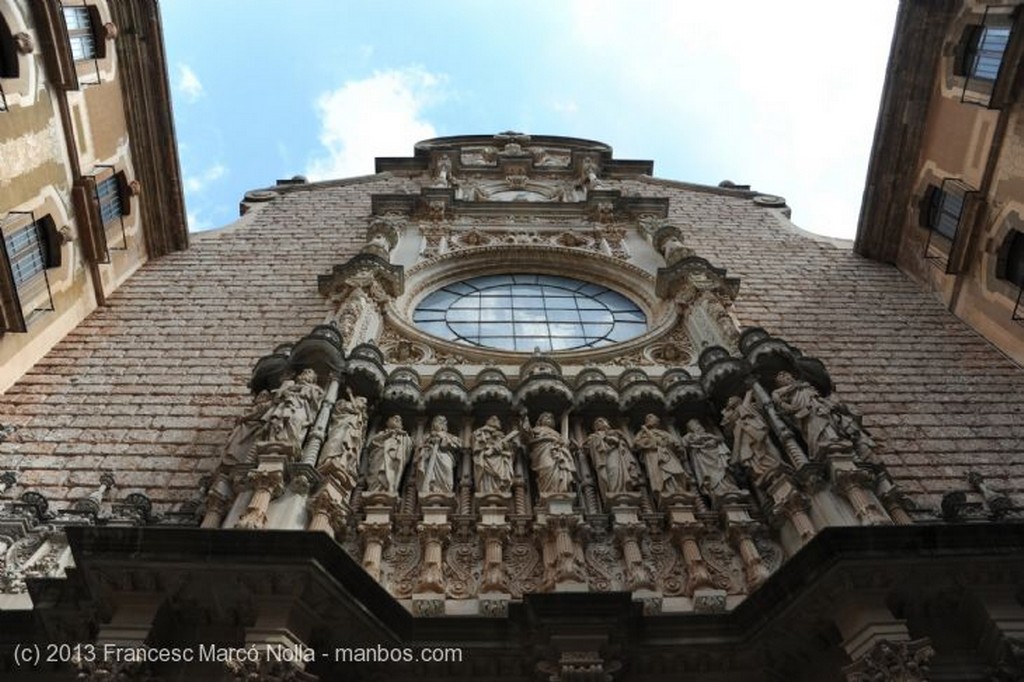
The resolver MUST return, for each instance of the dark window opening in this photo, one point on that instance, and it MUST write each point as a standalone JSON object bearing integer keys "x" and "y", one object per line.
{"x": 943, "y": 211}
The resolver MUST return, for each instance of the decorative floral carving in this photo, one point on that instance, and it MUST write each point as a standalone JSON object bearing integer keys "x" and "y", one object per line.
{"x": 725, "y": 567}
{"x": 604, "y": 565}
{"x": 525, "y": 569}
{"x": 401, "y": 564}
{"x": 667, "y": 567}
{"x": 890, "y": 661}
{"x": 462, "y": 569}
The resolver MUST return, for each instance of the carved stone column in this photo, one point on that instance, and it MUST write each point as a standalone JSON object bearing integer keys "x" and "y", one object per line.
{"x": 373, "y": 536}
{"x": 329, "y": 509}
{"x": 791, "y": 504}
{"x": 494, "y": 528}
{"x": 375, "y": 531}
{"x": 740, "y": 528}
{"x": 132, "y": 619}
{"x": 318, "y": 431}
{"x": 855, "y": 485}
{"x": 878, "y": 644}
{"x": 686, "y": 529}
{"x": 267, "y": 481}
{"x": 893, "y": 661}
{"x": 218, "y": 501}
{"x": 628, "y": 531}
{"x": 562, "y": 554}
{"x": 431, "y": 578}
{"x": 894, "y": 500}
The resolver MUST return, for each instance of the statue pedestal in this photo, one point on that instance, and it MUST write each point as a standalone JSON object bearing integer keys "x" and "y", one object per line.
{"x": 488, "y": 502}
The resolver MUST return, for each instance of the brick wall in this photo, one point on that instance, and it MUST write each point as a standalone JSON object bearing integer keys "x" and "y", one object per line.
{"x": 940, "y": 398}
{"x": 150, "y": 386}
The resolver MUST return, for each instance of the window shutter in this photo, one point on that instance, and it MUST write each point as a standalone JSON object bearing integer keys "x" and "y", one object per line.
{"x": 929, "y": 207}
{"x": 965, "y": 50}
{"x": 8, "y": 52}
{"x": 51, "y": 239}
{"x": 124, "y": 193}
{"x": 96, "y": 27}
{"x": 1015, "y": 260}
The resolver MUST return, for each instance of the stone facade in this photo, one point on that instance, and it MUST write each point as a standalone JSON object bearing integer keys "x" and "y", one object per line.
{"x": 944, "y": 198}
{"x": 89, "y": 185}
{"x": 804, "y": 463}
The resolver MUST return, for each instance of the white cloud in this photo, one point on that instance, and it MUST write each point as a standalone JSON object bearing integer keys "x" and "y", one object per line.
{"x": 197, "y": 183}
{"x": 782, "y": 96}
{"x": 378, "y": 116}
{"x": 188, "y": 83}
{"x": 567, "y": 107}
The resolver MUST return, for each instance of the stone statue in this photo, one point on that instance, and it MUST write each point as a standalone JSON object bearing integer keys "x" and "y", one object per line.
{"x": 492, "y": 457}
{"x": 388, "y": 452}
{"x": 294, "y": 408}
{"x": 347, "y": 432}
{"x": 801, "y": 403}
{"x": 751, "y": 444}
{"x": 850, "y": 427}
{"x": 443, "y": 171}
{"x": 659, "y": 451}
{"x": 617, "y": 470}
{"x": 710, "y": 457}
{"x": 589, "y": 173}
{"x": 550, "y": 458}
{"x": 247, "y": 431}
{"x": 435, "y": 459}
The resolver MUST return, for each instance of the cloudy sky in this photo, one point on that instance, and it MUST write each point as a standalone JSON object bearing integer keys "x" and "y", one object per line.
{"x": 780, "y": 94}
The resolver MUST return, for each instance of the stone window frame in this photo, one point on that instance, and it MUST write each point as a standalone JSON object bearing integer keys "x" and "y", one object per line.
{"x": 22, "y": 301}
{"x": 111, "y": 186}
{"x": 559, "y": 322}
{"x": 18, "y": 72}
{"x": 947, "y": 251}
{"x": 1008, "y": 271}
{"x": 972, "y": 29}
{"x": 631, "y": 281}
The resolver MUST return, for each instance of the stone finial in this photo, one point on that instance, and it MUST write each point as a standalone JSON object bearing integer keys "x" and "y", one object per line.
{"x": 999, "y": 505}
{"x": 91, "y": 504}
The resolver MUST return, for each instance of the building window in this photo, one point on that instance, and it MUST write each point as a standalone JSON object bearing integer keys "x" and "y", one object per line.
{"x": 25, "y": 254}
{"x": 1012, "y": 268}
{"x": 945, "y": 208}
{"x": 8, "y": 51}
{"x": 981, "y": 52}
{"x": 108, "y": 194}
{"x": 81, "y": 23}
{"x": 29, "y": 250}
{"x": 525, "y": 312}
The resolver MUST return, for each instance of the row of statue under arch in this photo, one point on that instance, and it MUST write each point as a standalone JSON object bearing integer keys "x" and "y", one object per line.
{"x": 757, "y": 448}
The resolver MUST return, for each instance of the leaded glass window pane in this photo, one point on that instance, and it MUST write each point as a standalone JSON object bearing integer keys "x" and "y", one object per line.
{"x": 522, "y": 312}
